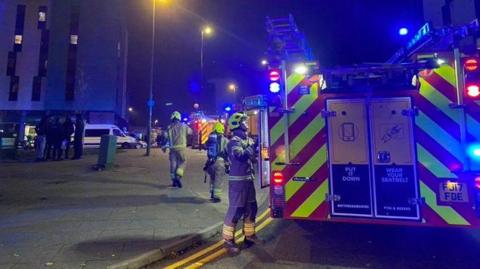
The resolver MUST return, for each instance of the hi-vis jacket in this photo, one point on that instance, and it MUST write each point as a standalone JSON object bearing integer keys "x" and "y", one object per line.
{"x": 241, "y": 155}
{"x": 177, "y": 135}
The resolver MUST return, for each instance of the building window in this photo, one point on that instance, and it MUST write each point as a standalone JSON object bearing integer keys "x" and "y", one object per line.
{"x": 11, "y": 63}
{"x": 42, "y": 16}
{"x": 74, "y": 39}
{"x": 14, "y": 86}
{"x": 19, "y": 27}
{"x": 72, "y": 54}
{"x": 36, "y": 88}
{"x": 18, "y": 39}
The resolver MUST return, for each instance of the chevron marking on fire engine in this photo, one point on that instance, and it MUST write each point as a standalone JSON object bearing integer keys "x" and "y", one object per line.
{"x": 308, "y": 169}
{"x": 312, "y": 202}
{"x": 447, "y": 213}
{"x": 437, "y": 133}
{"x": 304, "y": 103}
{"x": 433, "y": 164}
{"x": 473, "y": 127}
{"x": 448, "y": 73}
{"x": 293, "y": 81}
{"x": 303, "y": 138}
{"x": 300, "y": 107}
{"x": 306, "y": 136}
{"x": 439, "y": 100}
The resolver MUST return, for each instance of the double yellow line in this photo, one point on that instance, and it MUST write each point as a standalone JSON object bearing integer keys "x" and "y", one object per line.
{"x": 216, "y": 250}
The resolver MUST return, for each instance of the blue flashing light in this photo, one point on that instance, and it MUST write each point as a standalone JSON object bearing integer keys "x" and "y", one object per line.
{"x": 403, "y": 31}
{"x": 474, "y": 151}
{"x": 274, "y": 87}
{"x": 228, "y": 108}
{"x": 185, "y": 119}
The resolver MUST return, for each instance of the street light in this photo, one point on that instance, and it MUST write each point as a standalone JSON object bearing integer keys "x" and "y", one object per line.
{"x": 264, "y": 62}
{"x": 130, "y": 109}
{"x": 205, "y": 32}
{"x": 150, "y": 102}
{"x": 232, "y": 87}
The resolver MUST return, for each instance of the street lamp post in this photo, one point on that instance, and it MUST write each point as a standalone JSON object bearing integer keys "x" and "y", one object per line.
{"x": 150, "y": 99}
{"x": 206, "y": 31}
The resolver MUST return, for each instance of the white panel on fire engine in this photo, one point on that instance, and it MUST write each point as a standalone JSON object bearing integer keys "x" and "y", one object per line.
{"x": 263, "y": 158}
{"x": 348, "y": 152}
{"x": 395, "y": 184}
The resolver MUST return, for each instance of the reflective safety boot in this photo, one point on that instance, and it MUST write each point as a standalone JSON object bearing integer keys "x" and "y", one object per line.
{"x": 215, "y": 200}
{"x": 231, "y": 247}
{"x": 253, "y": 240}
{"x": 173, "y": 185}
{"x": 179, "y": 182}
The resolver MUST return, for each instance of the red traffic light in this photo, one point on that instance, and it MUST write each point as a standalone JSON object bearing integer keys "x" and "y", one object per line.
{"x": 274, "y": 75}
{"x": 471, "y": 64}
{"x": 473, "y": 90}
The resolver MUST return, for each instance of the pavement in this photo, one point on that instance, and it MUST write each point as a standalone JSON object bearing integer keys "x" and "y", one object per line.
{"x": 67, "y": 215}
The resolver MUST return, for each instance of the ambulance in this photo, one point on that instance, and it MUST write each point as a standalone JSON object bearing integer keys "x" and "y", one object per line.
{"x": 394, "y": 143}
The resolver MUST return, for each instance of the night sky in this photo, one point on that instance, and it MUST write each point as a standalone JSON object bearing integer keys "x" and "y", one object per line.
{"x": 339, "y": 32}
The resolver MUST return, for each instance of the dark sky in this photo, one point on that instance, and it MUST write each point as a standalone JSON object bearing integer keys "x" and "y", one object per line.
{"x": 339, "y": 32}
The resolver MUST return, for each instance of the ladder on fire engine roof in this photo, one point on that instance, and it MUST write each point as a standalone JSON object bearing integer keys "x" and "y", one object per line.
{"x": 286, "y": 41}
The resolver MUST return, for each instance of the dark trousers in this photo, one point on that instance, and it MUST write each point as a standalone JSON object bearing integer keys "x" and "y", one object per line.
{"x": 57, "y": 150}
{"x": 242, "y": 205}
{"x": 78, "y": 148}
{"x": 48, "y": 149}
{"x": 67, "y": 148}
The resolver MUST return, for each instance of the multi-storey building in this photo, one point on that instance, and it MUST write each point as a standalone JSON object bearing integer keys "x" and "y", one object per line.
{"x": 61, "y": 57}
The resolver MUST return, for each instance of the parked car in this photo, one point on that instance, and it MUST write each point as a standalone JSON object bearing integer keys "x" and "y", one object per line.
{"x": 94, "y": 132}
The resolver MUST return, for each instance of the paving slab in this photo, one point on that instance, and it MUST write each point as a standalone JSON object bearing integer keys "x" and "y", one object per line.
{"x": 66, "y": 215}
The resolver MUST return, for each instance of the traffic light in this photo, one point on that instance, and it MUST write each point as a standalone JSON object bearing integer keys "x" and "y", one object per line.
{"x": 274, "y": 76}
{"x": 471, "y": 66}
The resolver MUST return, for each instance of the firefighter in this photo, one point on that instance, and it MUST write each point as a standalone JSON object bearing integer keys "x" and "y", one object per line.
{"x": 216, "y": 165}
{"x": 241, "y": 190}
{"x": 177, "y": 134}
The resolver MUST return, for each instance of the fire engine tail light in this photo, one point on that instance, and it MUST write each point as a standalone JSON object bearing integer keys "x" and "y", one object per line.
{"x": 471, "y": 64}
{"x": 477, "y": 183}
{"x": 278, "y": 178}
{"x": 473, "y": 90}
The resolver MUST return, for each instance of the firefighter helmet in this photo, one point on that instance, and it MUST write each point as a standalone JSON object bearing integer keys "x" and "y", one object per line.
{"x": 219, "y": 128}
{"x": 235, "y": 120}
{"x": 176, "y": 116}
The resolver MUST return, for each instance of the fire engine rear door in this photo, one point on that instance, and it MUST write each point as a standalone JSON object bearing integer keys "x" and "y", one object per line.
{"x": 395, "y": 184}
{"x": 348, "y": 151}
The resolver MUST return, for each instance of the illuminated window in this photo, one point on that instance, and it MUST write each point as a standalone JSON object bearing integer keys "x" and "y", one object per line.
{"x": 18, "y": 39}
{"x": 74, "y": 39}
{"x": 42, "y": 16}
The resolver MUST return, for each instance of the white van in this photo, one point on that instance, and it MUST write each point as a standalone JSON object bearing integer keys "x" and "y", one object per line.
{"x": 94, "y": 132}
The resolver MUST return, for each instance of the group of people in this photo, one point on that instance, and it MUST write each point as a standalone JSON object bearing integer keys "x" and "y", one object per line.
{"x": 54, "y": 137}
{"x": 236, "y": 157}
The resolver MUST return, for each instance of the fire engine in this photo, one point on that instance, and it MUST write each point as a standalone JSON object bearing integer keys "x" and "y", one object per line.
{"x": 392, "y": 143}
{"x": 201, "y": 126}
